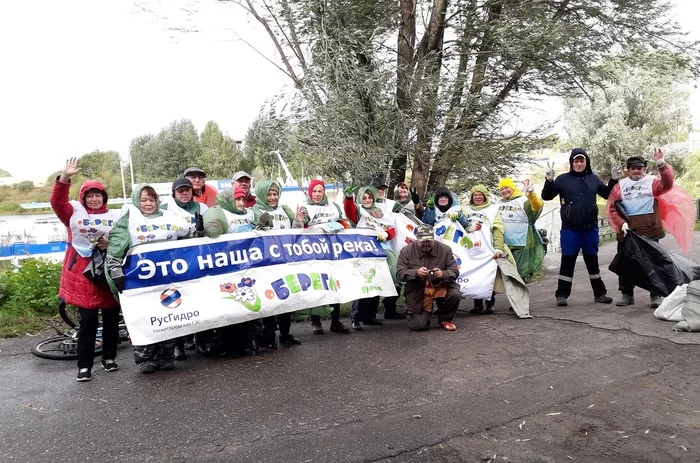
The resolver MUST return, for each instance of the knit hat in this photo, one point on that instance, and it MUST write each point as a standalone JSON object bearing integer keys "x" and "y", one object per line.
{"x": 180, "y": 182}
{"x": 424, "y": 232}
{"x": 315, "y": 182}
{"x": 507, "y": 182}
{"x": 238, "y": 193}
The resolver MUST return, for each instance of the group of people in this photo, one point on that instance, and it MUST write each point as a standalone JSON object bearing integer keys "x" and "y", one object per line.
{"x": 425, "y": 270}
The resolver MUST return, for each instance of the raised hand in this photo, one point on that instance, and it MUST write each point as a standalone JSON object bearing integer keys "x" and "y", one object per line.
{"x": 658, "y": 154}
{"x": 350, "y": 190}
{"x": 527, "y": 186}
{"x": 71, "y": 168}
{"x": 414, "y": 196}
{"x": 616, "y": 170}
{"x": 550, "y": 171}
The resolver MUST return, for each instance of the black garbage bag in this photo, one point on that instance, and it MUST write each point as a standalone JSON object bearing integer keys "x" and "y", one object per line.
{"x": 651, "y": 266}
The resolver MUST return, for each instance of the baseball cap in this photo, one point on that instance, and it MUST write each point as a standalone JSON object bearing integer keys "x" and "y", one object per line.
{"x": 180, "y": 182}
{"x": 424, "y": 233}
{"x": 194, "y": 170}
{"x": 240, "y": 174}
{"x": 636, "y": 161}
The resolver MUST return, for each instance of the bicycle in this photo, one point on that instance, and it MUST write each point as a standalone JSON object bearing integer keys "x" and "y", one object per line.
{"x": 64, "y": 346}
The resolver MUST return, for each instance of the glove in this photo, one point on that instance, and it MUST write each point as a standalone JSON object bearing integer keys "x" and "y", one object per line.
{"x": 351, "y": 190}
{"x": 382, "y": 236}
{"x": 453, "y": 216}
{"x": 550, "y": 171}
{"x": 264, "y": 222}
{"x": 527, "y": 187}
{"x": 430, "y": 204}
{"x": 625, "y": 228}
{"x": 616, "y": 171}
{"x": 474, "y": 227}
{"x": 414, "y": 196}
{"x": 198, "y": 225}
{"x": 498, "y": 254}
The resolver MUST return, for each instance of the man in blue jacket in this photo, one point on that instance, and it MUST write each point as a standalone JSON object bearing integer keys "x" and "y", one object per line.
{"x": 577, "y": 190}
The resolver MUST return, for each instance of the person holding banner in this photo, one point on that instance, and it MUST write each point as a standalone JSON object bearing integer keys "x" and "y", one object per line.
{"x": 144, "y": 222}
{"x": 182, "y": 203}
{"x": 429, "y": 271}
{"x": 519, "y": 213}
{"x": 444, "y": 203}
{"x": 369, "y": 215}
{"x": 634, "y": 205}
{"x": 89, "y": 223}
{"x": 577, "y": 190}
{"x": 486, "y": 216}
{"x": 319, "y": 213}
{"x": 269, "y": 214}
{"x": 231, "y": 216}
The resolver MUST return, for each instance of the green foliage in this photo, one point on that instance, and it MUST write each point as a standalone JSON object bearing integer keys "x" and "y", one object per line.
{"x": 24, "y": 187}
{"x": 27, "y": 293}
{"x": 641, "y": 102}
{"x": 4, "y": 173}
{"x": 164, "y": 157}
{"x": 219, "y": 155}
{"x": 690, "y": 181}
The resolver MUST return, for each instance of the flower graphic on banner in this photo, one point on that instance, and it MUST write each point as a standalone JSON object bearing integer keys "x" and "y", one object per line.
{"x": 243, "y": 293}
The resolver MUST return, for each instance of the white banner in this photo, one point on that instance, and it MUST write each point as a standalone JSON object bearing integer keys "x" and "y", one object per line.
{"x": 474, "y": 255}
{"x": 175, "y": 288}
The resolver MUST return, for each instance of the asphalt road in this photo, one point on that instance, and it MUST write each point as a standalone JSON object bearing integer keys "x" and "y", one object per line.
{"x": 589, "y": 382}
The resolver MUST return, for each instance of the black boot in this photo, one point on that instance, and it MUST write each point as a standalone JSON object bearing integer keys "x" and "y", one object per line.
{"x": 289, "y": 339}
{"x": 478, "y": 307}
{"x": 489, "y": 305}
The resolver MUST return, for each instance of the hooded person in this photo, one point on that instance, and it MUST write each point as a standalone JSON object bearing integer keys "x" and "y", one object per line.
{"x": 577, "y": 190}
{"x": 89, "y": 225}
{"x": 519, "y": 213}
{"x": 409, "y": 200}
{"x": 269, "y": 214}
{"x": 634, "y": 205}
{"x": 484, "y": 215}
{"x": 182, "y": 203}
{"x": 319, "y": 213}
{"x": 141, "y": 222}
{"x": 231, "y": 216}
{"x": 369, "y": 215}
{"x": 443, "y": 204}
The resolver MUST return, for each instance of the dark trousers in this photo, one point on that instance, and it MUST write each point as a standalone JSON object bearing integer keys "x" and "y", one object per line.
{"x": 335, "y": 315}
{"x": 283, "y": 322}
{"x": 446, "y": 309}
{"x": 626, "y": 285}
{"x": 566, "y": 275}
{"x": 162, "y": 351}
{"x": 87, "y": 333}
{"x": 366, "y": 309}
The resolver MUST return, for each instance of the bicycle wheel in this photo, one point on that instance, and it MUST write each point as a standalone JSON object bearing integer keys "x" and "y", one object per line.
{"x": 61, "y": 348}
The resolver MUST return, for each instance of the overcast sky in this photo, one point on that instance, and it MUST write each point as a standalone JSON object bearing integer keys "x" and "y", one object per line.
{"x": 81, "y": 75}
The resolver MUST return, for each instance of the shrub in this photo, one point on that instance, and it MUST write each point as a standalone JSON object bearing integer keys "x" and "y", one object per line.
{"x": 28, "y": 292}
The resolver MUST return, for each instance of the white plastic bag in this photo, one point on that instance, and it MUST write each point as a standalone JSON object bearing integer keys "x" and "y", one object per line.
{"x": 672, "y": 305}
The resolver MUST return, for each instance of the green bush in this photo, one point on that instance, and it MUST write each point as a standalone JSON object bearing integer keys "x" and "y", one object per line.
{"x": 28, "y": 292}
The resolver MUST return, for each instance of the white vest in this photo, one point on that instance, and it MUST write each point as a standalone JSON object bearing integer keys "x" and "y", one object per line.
{"x": 387, "y": 206}
{"x": 486, "y": 215}
{"x": 515, "y": 221}
{"x": 637, "y": 196}
{"x": 87, "y": 228}
{"x": 439, "y": 215}
{"x": 238, "y": 223}
{"x": 169, "y": 226}
{"x": 169, "y": 204}
{"x": 279, "y": 219}
{"x": 375, "y": 223}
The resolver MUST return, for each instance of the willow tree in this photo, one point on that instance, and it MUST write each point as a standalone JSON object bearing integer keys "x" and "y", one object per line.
{"x": 432, "y": 85}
